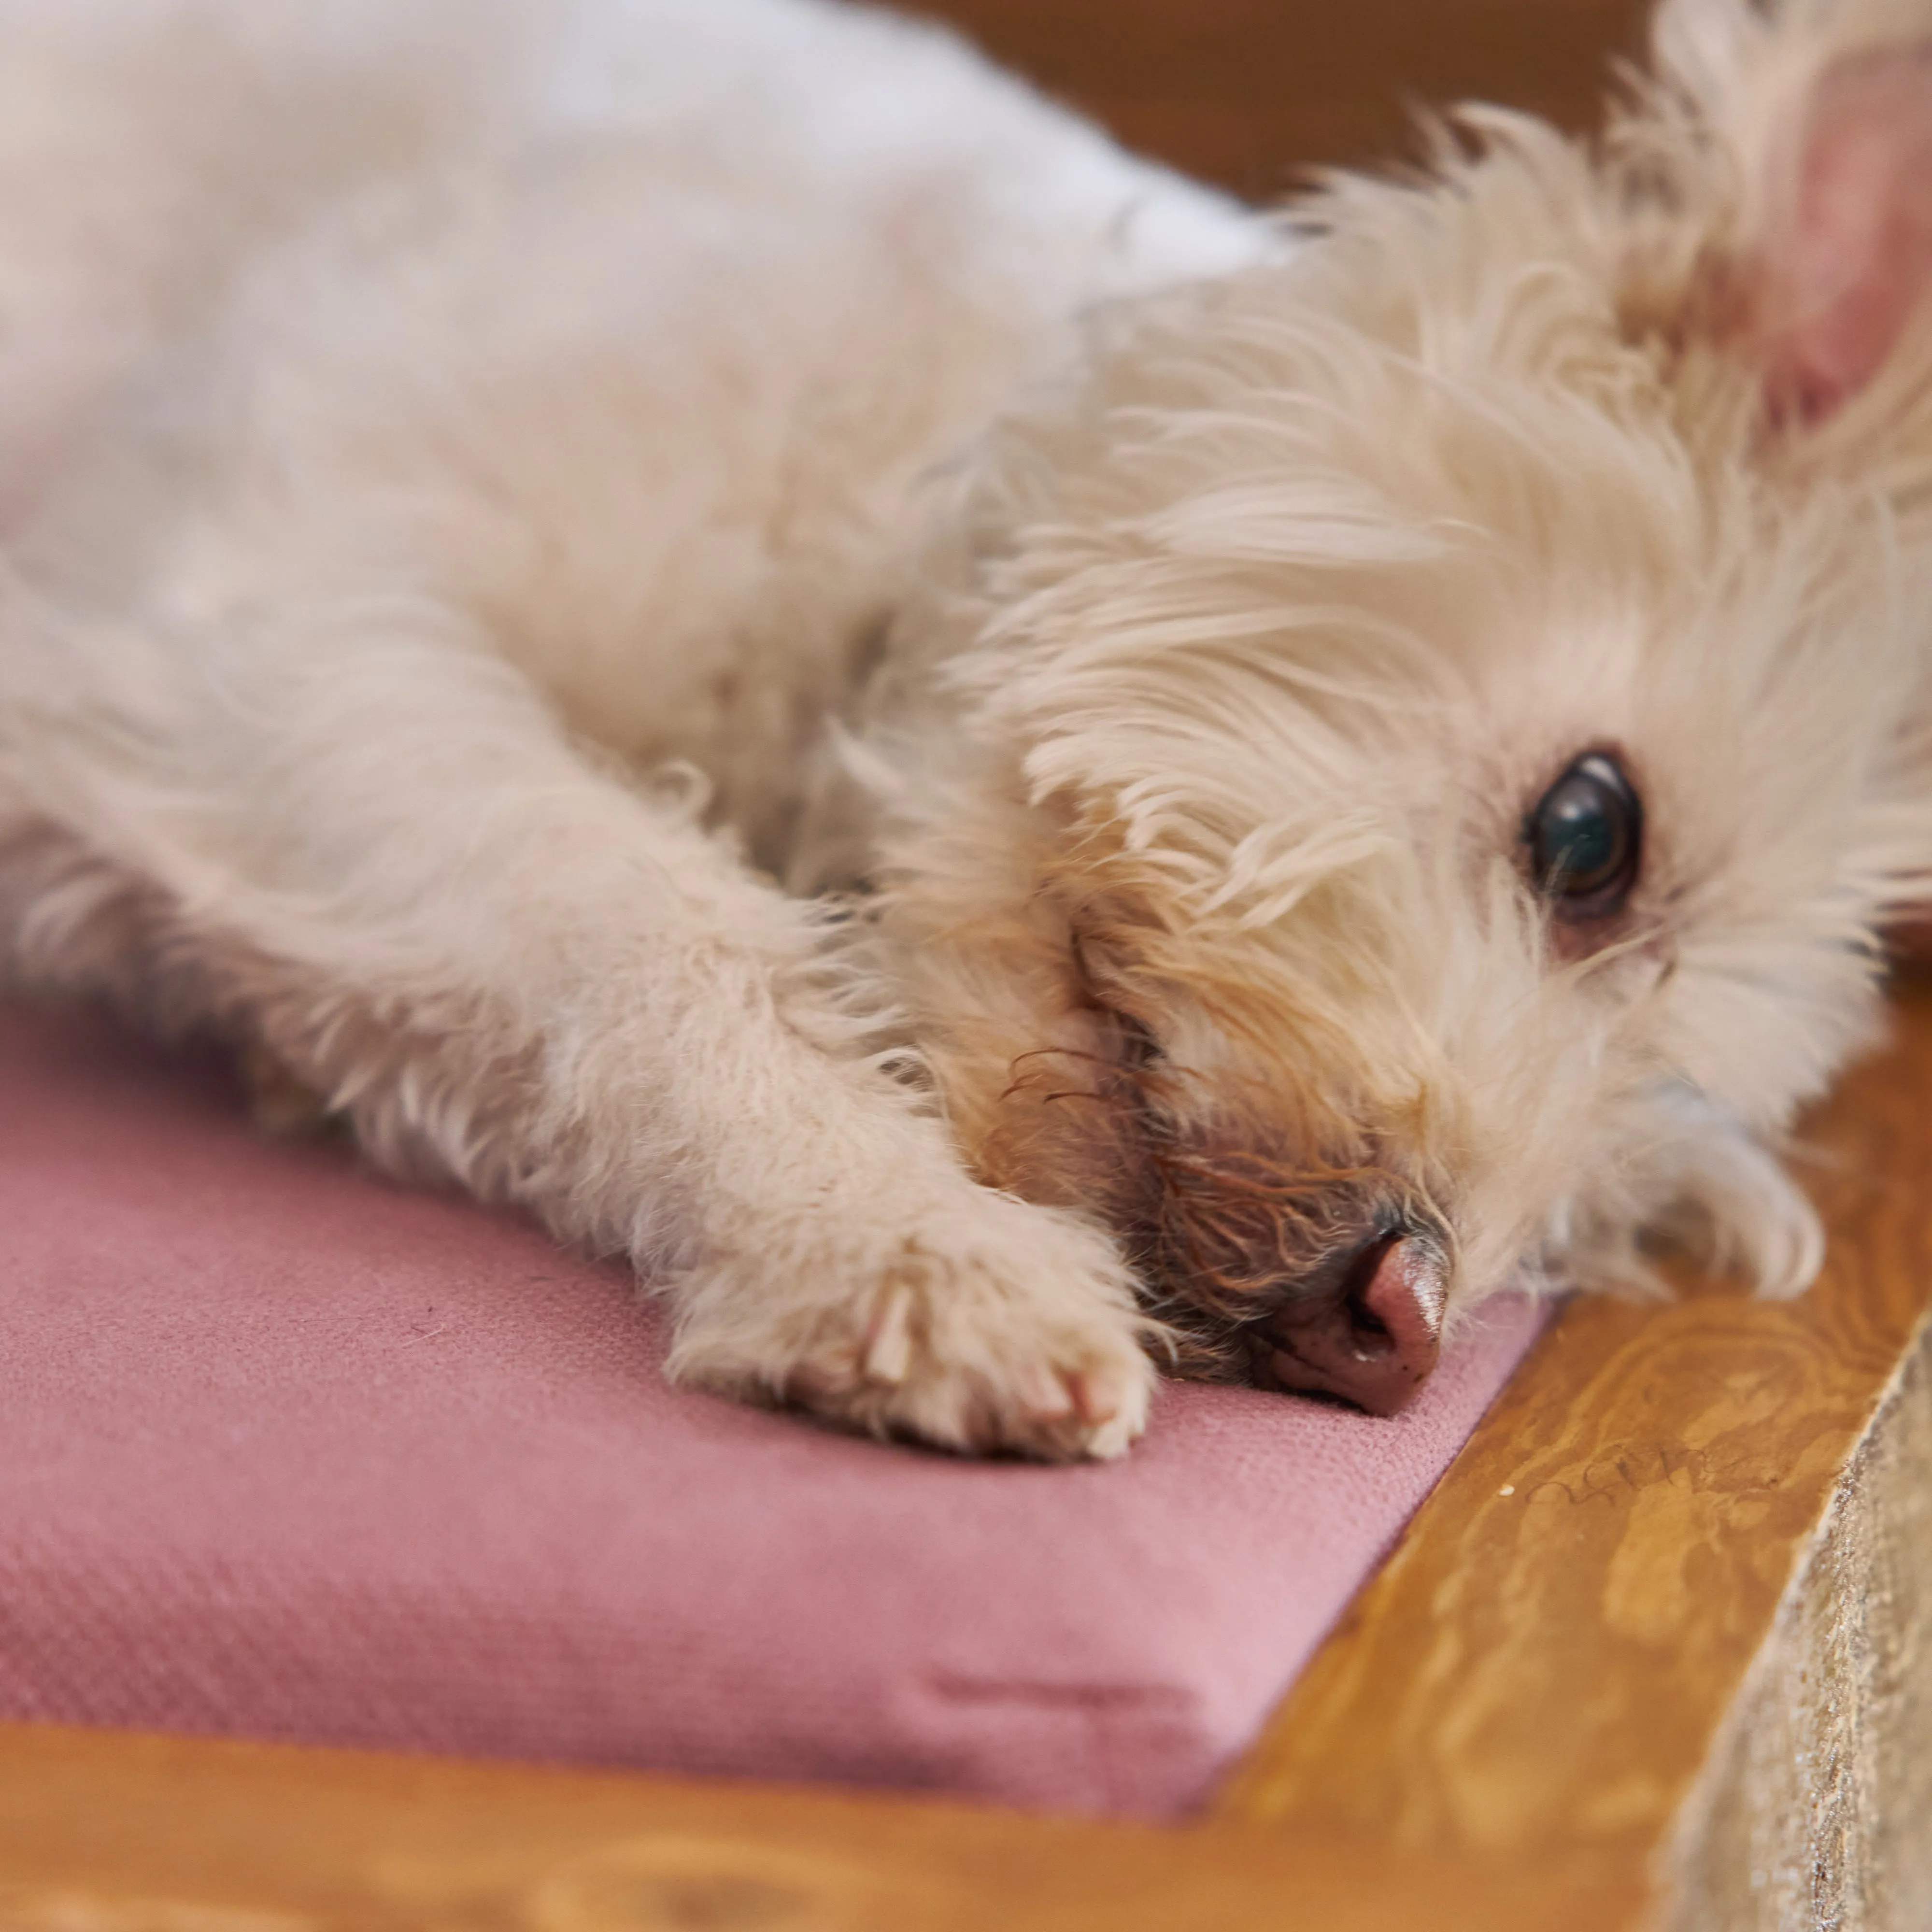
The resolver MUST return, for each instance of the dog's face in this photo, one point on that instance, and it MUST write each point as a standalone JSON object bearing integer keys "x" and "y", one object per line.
{"x": 1446, "y": 726}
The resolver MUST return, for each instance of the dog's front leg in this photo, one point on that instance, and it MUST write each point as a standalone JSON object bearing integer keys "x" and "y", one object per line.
{"x": 501, "y": 963}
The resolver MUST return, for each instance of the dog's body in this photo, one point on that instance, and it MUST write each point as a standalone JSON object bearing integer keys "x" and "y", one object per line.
{"x": 489, "y": 488}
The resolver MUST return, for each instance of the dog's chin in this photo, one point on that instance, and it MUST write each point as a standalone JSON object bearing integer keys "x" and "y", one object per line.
{"x": 1327, "y": 1282}
{"x": 1312, "y": 1277}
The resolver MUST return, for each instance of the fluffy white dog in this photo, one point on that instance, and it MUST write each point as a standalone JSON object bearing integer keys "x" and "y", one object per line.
{"x": 1376, "y": 749}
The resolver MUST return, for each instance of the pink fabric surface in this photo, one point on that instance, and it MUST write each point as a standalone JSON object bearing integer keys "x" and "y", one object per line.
{"x": 289, "y": 1453}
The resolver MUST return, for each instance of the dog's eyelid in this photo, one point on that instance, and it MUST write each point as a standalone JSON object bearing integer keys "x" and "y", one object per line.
{"x": 1138, "y": 1046}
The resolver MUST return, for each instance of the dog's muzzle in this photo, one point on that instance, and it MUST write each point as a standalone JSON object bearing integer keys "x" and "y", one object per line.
{"x": 1371, "y": 1336}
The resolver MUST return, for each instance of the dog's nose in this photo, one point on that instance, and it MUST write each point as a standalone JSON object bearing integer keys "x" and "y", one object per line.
{"x": 1372, "y": 1337}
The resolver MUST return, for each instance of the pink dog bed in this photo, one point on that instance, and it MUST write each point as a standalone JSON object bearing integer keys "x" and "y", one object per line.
{"x": 286, "y": 1452}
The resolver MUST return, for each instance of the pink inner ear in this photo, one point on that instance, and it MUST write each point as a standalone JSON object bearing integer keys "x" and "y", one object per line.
{"x": 1847, "y": 263}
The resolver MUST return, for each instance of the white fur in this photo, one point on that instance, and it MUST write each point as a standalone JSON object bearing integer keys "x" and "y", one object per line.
{"x": 489, "y": 485}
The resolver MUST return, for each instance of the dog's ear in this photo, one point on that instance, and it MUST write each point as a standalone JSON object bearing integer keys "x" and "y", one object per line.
{"x": 1825, "y": 109}
{"x": 1844, "y": 260}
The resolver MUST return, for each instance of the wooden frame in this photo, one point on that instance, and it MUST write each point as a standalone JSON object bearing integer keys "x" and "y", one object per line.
{"x": 1550, "y": 1709}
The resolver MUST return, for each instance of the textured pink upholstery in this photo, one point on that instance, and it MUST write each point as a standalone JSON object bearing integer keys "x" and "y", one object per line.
{"x": 286, "y": 1452}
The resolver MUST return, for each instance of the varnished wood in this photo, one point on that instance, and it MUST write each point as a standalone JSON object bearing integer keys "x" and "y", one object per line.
{"x": 1253, "y": 93}
{"x": 101, "y": 1834}
{"x": 1543, "y": 1664}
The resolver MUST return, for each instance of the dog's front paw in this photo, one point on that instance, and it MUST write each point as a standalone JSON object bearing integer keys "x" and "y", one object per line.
{"x": 989, "y": 1327}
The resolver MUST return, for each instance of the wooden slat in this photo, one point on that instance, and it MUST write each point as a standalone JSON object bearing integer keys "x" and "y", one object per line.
{"x": 106, "y": 1834}
{"x": 1542, "y": 1666}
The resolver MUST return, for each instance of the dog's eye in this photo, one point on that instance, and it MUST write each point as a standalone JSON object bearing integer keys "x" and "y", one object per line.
{"x": 1585, "y": 838}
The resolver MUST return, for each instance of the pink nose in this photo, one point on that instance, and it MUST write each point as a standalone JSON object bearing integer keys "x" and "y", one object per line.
{"x": 1373, "y": 1339}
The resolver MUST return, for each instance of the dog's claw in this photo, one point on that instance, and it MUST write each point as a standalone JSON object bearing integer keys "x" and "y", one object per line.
{"x": 1048, "y": 1396}
{"x": 999, "y": 1329}
{"x": 1096, "y": 1398}
{"x": 888, "y": 1353}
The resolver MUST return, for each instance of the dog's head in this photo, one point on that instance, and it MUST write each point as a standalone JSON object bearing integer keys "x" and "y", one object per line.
{"x": 1447, "y": 716}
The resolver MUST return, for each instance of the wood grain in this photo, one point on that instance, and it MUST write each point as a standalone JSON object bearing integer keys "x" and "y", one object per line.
{"x": 1542, "y": 1665}
{"x": 1814, "y": 1807}
{"x": 102, "y": 1834}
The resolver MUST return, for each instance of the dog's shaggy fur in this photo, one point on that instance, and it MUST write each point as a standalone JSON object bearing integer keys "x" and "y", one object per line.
{"x": 492, "y": 486}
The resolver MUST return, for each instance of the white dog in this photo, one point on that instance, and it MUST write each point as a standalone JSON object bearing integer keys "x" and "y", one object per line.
{"x": 1377, "y": 748}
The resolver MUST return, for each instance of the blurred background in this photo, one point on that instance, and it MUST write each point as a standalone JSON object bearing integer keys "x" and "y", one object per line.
{"x": 1251, "y": 93}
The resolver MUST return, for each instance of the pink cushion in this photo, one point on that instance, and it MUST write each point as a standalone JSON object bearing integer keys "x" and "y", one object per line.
{"x": 287, "y": 1452}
